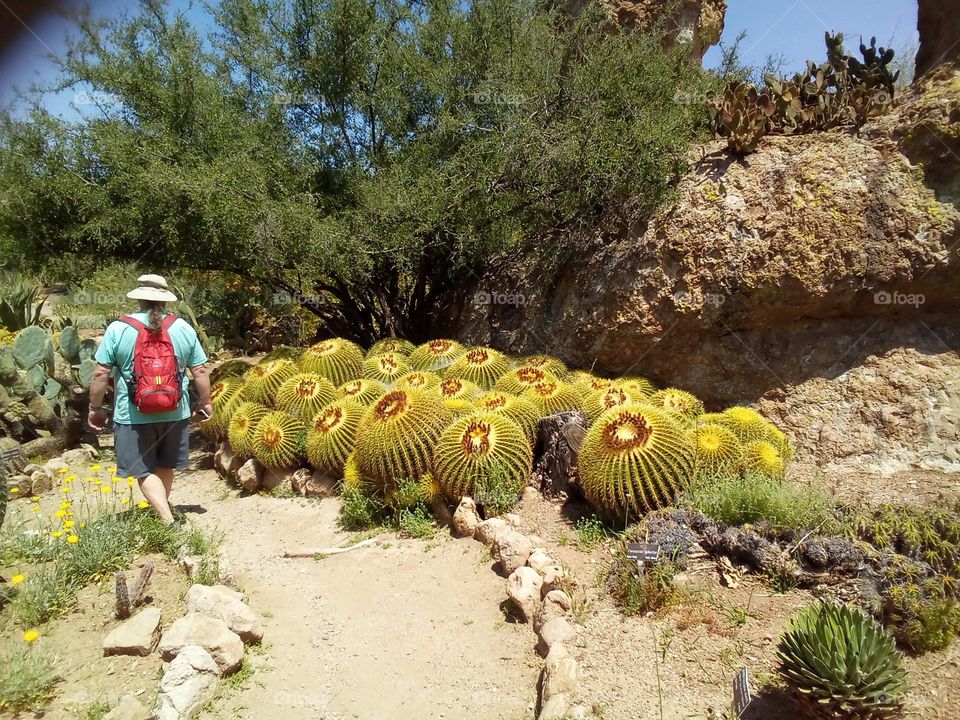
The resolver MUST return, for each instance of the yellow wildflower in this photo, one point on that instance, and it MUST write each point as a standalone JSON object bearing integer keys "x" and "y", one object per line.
{"x": 14, "y": 490}
{"x": 105, "y": 489}
{"x": 31, "y": 636}
{"x": 143, "y": 504}
{"x": 130, "y": 483}
{"x": 114, "y": 470}
{"x": 125, "y": 501}
{"x": 68, "y": 524}
{"x": 98, "y": 483}
{"x": 17, "y": 579}
{"x": 35, "y": 498}
{"x": 57, "y": 533}
{"x": 63, "y": 471}
{"x": 59, "y": 514}
{"x": 89, "y": 478}
{"x": 36, "y": 508}
{"x": 95, "y": 468}
{"x": 130, "y": 478}
{"x": 72, "y": 539}
{"x": 70, "y": 478}
{"x": 65, "y": 489}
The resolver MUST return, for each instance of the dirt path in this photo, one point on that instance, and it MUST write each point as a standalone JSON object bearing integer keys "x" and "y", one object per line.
{"x": 408, "y": 629}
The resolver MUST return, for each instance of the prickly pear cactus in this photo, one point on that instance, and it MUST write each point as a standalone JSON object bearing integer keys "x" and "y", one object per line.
{"x": 70, "y": 345}
{"x": 30, "y": 347}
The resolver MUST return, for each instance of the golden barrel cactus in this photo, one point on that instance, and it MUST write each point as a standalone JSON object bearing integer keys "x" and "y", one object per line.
{"x": 523, "y": 412}
{"x": 634, "y": 458}
{"x": 482, "y": 366}
{"x": 336, "y": 359}
{"x": 596, "y": 403}
{"x": 397, "y": 434}
{"x": 262, "y": 381}
{"x": 225, "y": 397}
{"x": 523, "y": 377}
{"x": 304, "y": 394}
{"x": 746, "y": 423}
{"x": 386, "y": 368}
{"x": 546, "y": 362}
{"x": 717, "y": 449}
{"x": 417, "y": 380}
{"x": 391, "y": 345}
{"x": 552, "y": 396}
{"x": 587, "y": 382}
{"x": 436, "y": 355}
{"x": 278, "y": 440}
{"x": 480, "y": 451}
{"x": 678, "y": 401}
{"x": 457, "y": 388}
{"x": 638, "y": 386}
{"x": 332, "y": 435}
{"x": 363, "y": 391}
{"x": 242, "y": 424}
{"x": 763, "y": 457}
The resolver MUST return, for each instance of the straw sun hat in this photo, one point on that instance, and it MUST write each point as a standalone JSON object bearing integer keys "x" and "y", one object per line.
{"x": 152, "y": 287}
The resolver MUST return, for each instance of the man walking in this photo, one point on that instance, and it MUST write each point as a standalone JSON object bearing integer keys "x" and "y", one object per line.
{"x": 147, "y": 353}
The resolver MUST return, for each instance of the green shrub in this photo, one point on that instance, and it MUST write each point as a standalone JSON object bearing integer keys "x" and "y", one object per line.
{"x": 361, "y": 508}
{"x": 753, "y": 498}
{"x": 27, "y": 678}
{"x": 639, "y": 591}
{"x": 590, "y": 532}
{"x": 416, "y": 523}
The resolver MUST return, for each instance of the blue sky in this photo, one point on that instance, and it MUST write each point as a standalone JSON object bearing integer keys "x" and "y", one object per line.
{"x": 793, "y": 28}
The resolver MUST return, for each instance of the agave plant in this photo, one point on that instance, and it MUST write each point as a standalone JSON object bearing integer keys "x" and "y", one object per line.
{"x": 843, "y": 663}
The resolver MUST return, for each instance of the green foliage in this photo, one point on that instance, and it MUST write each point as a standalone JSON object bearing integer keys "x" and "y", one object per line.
{"x": 27, "y": 679}
{"x": 639, "y": 591}
{"x": 20, "y": 306}
{"x": 590, "y": 532}
{"x": 361, "y": 507}
{"x": 841, "y": 91}
{"x": 842, "y": 662}
{"x": 30, "y": 347}
{"x": 472, "y": 448}
{"x": 365, "y": 187}
{"x": 931, "y": 535}
{"x": 633, "y": 459}
{"x": 735, "y": 499}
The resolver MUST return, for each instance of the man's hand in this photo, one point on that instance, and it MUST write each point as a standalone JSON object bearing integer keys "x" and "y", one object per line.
{"x": 97, "y": 419}
{"x": 204, "y": 412}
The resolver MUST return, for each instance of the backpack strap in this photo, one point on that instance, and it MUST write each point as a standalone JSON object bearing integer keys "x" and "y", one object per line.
{"x": 133, "y": 322}
{"x": 168, "y": 321}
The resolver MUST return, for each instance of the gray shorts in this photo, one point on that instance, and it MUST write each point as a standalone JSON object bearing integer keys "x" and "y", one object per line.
{"x": 141, "y": 449}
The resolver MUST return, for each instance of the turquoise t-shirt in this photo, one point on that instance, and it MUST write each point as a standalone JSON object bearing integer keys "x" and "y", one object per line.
{"x": 116, "y": 351}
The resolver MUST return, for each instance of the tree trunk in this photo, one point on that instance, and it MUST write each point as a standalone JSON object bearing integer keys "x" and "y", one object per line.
{"x": 555, "y": 455}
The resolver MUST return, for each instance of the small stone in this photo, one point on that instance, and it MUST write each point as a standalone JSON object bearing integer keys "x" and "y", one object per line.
{"x": 559, "y": 672}
{"x": 530, "y": 495}
{"x": 314, "y": 483}
{"x": 488, "y": 530}
{"x": 556, "y": 604}
{"x": 539, "y": 560}
{"x": 41, "y": 482}
{"x": 272, "y": 479}
{"x": 554, "y": 708}
{"x": 523, "y": 588}
{"x": 465, "y": 518}
{"x": 23, "y": 484}
{"x": 249, "y": 476}
{"x": 55, "y": 465}
{"x": 29, "y": 469}
{"x": 78, "y": 456}
{"x": 210, "y": 633}
{"x": 226, "y": 462}
{"x": 128, "y": 709}
{"x": 190, "y": 680}
{"x": 221, "y": 602}
{"x": 554, "y": 631}
{"x": 513, "y": 519}
{"x": 511, "y": 549}
{"x": 553, "y": 579}
{"x": 136, "y": 636}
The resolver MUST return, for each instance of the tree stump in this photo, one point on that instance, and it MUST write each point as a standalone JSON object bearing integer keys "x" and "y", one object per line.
{"x": 555, "y": 454}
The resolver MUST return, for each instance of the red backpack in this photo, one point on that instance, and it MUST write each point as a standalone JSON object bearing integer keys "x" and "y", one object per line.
{"x": 156, "y": 382}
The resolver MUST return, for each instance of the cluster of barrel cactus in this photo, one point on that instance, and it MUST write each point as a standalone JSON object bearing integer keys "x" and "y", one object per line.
{"x": 841, "y": 91}
{"x": 461, "y": 415}
{"x": 40, "y": 373}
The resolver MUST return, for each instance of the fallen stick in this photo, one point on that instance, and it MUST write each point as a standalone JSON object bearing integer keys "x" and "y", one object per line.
{"x": 313, "y": 552}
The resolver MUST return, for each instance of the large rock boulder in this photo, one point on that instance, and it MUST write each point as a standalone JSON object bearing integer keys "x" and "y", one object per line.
{"x": 210, "y": 633}
{"x": 221, "y": 602}
{"x": 189, "y": 681}
{"x": 938, "y": 23}
{"x": 136, "y": 636}
{"x": 774, "y": 275}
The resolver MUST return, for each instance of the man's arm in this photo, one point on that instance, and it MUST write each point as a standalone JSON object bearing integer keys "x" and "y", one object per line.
{"x": 97, "y": 417}
{"x": 201, "y": 381}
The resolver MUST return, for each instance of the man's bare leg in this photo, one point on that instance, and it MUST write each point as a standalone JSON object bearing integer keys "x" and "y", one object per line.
{"x": 155, "y": 491}
{"x": 166, "y": 475}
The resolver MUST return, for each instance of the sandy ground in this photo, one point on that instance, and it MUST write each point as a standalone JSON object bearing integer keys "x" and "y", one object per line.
{"x": 414, "y": 629}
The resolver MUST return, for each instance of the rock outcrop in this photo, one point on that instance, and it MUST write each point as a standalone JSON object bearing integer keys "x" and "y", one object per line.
{"x": 818, "y": 276}
{"x": 938, "y": 23}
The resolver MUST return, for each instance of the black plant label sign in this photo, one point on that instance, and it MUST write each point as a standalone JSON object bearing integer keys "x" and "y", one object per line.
{"x": 741, "y": 692}
{"x": 643, "y": 552}
{"x": 11, "y": 458}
